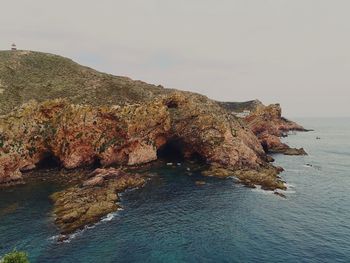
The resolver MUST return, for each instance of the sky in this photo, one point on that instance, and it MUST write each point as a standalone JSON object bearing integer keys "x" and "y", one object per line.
{"x": 292, "y": 52}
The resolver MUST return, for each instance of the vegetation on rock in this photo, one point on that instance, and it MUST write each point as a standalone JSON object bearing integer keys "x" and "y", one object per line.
{"x": 15, "y": 257}
{"x": 28, "y": 75}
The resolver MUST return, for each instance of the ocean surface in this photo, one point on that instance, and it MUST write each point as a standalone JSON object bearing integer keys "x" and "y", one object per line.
{"x": 173, "y": 220}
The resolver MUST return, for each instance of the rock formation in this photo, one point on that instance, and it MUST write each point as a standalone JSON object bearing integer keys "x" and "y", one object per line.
{"x": 267, "y": 124}
{"x": 97, "y": 196}
{"x": 56, "y": 111}
{"x": 80, "y": 135}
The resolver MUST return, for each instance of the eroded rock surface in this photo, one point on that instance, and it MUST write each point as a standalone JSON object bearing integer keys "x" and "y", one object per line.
{"x": 80, "y": 135}
{"x": 267, "y": 176}
{"x": 88, "y": 202}
{"x": 268, "y": 125}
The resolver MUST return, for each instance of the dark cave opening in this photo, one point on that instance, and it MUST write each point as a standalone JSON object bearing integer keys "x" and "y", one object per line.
{"x": 48, "y": 161}
{"x": 175, "y": 151}
{"x": 96, "y": 164}
{"x": 196, "y": 157}
{"x": 172, "y": 151}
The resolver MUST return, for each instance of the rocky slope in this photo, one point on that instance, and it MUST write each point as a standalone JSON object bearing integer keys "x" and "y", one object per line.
{"x": 56, "y": 111}
{"x": 252, "y": 106}
{"x": 26, "y": 75}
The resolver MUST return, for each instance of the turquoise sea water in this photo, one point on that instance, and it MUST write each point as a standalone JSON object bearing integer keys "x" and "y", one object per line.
{"x": 173, "y": 220}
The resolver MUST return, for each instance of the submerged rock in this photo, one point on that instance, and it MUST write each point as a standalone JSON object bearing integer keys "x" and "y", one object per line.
{"x": 280, "y": 194}
{"x": 8, "y": 209}
{"x": 199, "y": 183}
{"x": 295, "y": 151}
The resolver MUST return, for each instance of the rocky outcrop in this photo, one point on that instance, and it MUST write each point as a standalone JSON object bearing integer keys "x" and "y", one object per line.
{"x": 268, "y": 125}
{"x": 97, "y": 196}
{"x": 269, "y": 119}
{"x": 266, "y": 176}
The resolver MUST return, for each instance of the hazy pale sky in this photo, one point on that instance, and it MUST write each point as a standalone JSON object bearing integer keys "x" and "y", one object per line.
{"x": 295, "y": 52}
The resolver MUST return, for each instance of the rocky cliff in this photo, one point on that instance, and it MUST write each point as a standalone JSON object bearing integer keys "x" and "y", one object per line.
{"x": 267, "y": 123}
{"x": 80, "y": 135}
{"x": 56, "y": 111}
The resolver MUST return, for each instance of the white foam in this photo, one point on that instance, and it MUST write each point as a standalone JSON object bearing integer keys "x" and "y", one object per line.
{"x": 288, "y": 192}
{"x": 258, "y": 189}
{"x": 289, "y": 185}
{"x": 67, "y": 238}
{"x": 70, "y": 237}
{"x": 54, "y": 238}
{"x": 110, "y": 216}
{"x": 308, "y": 166}
{"x": 262, "y": 191}
{"x": 75, "y": 234}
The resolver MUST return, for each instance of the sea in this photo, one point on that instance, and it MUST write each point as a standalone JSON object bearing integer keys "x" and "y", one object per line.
{"x": 173, "y": 219}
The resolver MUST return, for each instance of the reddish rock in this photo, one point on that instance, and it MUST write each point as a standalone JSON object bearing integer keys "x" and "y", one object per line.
{"x": 80, "y": 135}
{"x": 10, "y": 169}
{"x": 268, "y": 125}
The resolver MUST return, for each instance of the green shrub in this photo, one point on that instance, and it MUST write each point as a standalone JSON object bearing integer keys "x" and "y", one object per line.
{"x": 15, "y": 257}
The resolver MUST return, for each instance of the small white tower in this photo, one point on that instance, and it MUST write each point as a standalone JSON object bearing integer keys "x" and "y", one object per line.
{"x": 13, "y": 47}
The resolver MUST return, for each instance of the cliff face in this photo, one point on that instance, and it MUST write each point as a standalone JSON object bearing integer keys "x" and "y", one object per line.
{"x": 79, "y": 135}
{"x": 268, "y": 125}
{"x": 269, "y": 119}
